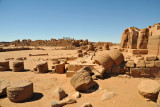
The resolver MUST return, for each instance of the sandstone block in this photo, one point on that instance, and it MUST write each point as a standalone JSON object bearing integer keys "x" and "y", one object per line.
{"x": 149, "y": 63}
{"x": 3, "y": 86}
{"x": 150, "y": 58}
{"x": 140, "y": 72}
{"x": 42, "y": 67}
{"x": 20, "y": 91}
{"x": 60, "y": 68}
{"x": 18, "y": 66}
{"x": 4, "y": 65}
{"x": 82, "y": 79}
{"x": 116, "y": 69}
{"x": 149, "y": 89}
{"x": 76, "y": 67}
{"x": 157, "y": 63}
{"x": 70, "y": 73}
{"x": 130, "y": 64}
{"x": 140, "y": 64}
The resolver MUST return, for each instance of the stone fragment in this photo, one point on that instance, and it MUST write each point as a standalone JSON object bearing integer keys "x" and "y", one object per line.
{"x": 18, "y": 66}
{"x": 80, "y": 55}
{"x": 55, "y": 104}
{"x": 79, "y": 51}
{"x": 149, "y": 89}
{"x": 59, "y": 93}
{"x": 20, "y": 91}
{"x": 42, "y": 67}
{"x": 106, "y": 46}
{"x": 76, "y": 95}
{"x": 87, "y": 105}
{"x": 107, "y": 95}
{"x": 94, "y": 77}
{"x": 3, "y": 86}
{"x": 98, "y": 71}
{"x": 82, "y": 80}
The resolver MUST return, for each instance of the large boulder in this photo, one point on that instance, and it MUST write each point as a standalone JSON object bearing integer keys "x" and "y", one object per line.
{"x": 149, "y": 89}
{"x": 117, "y": 56}
{"x": 3, "y": 86}
{"x": 82, "y": 79}
{"x": 20, "y": 91}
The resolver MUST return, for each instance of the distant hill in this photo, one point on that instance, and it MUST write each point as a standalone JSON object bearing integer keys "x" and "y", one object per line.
{"x": 4, "y": 42}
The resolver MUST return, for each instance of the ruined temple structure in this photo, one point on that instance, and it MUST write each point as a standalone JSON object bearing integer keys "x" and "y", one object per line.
{"x": 141, "y": 41}
{"x": 129, "y": 38}
{"x": 52, "y": 42}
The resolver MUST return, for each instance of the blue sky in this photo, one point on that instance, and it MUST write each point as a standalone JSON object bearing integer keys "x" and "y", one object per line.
{"x": 96, "y": 20}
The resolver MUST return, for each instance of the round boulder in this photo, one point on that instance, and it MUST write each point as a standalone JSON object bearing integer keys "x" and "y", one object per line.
{"x": 149, "y": 89}
{"x": 20, "y": 91}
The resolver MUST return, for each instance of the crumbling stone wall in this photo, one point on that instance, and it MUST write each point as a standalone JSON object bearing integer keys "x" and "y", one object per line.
{"x": 146, "y": 38}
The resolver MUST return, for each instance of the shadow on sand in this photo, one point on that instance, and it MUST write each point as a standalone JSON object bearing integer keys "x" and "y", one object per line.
{"x": 36, "y": 96}
{"x": 92, "y": 89}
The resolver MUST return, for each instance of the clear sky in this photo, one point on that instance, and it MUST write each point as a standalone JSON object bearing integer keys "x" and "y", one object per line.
{"x": 96, "y": 20}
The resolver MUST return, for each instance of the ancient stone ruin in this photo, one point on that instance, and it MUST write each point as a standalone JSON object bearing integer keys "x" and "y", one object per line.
{"x": 141, "y": 40}
{"x": 84, "y": 69}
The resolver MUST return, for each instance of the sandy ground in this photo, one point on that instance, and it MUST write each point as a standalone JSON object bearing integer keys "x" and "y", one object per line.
{"x": 44, "y": 84}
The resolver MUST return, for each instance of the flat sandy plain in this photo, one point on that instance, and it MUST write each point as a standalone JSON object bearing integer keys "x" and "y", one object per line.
{"x": 44, "y": 84}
